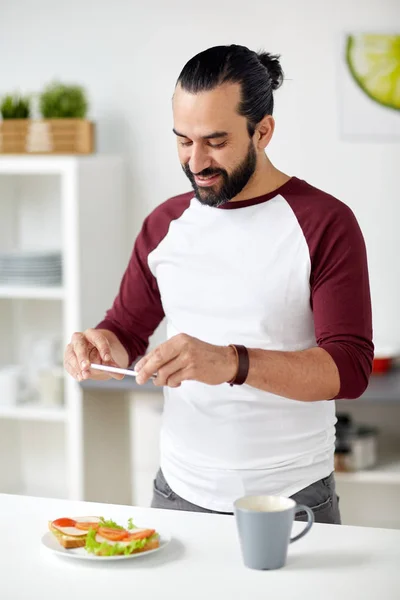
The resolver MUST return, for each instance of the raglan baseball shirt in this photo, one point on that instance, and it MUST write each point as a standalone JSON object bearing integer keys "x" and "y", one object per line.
{"x": 284, "y": 271}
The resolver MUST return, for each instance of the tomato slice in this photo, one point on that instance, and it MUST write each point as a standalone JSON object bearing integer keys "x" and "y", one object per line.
{"x": 140, "y": 535}
{"x": 64, "y": 522}
{"x": 114, "y": 535}
{"x": 87, "y": 525}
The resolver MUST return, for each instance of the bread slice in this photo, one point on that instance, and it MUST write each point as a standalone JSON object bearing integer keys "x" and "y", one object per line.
{"x": 67, "y": 541}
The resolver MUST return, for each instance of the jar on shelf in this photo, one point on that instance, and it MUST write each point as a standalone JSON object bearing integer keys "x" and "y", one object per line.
{"x": 355, "y": 446}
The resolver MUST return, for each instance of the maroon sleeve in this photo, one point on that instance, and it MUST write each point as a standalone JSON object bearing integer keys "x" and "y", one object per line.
{"x": 137, "y": 310}
{"x": 340, "y": 291}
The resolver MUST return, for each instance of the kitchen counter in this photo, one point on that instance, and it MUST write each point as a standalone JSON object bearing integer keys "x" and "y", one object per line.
{"x": 202, "y": 561}
{"x": 381, "y": 388}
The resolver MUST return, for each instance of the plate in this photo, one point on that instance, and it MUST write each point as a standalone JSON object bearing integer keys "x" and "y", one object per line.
{"x": 50, "y": 542}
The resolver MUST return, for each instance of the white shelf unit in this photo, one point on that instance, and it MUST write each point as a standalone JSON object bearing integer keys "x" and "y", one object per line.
{"x": 78, "y": 206}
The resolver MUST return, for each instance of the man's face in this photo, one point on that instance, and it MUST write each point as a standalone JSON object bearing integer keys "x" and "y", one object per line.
{"x": 214, "y": 147}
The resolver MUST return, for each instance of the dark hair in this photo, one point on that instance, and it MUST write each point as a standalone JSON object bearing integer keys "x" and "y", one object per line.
{"x": 259, "y": 74}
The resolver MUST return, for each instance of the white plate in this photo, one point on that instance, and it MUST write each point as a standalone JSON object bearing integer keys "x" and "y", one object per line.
{"x": 50, "y": 542}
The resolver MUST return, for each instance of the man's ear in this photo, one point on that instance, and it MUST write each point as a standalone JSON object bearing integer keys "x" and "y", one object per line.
{"x": 264, "y": 131}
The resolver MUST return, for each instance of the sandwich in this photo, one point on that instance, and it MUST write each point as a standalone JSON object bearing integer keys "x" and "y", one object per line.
{"x": 103, "y": 537}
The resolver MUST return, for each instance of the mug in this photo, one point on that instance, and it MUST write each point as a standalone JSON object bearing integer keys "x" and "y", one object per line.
{"x": 51, "y": 386}
{"x": 264, "y": 526}
{"x": 10, "y": 384}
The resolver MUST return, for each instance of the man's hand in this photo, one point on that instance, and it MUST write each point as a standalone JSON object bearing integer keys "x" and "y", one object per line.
{"x": 185, "y": 358}
{"x": 94, "y": 346}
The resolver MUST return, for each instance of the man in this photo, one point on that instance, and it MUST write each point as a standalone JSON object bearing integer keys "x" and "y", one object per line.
{"x": 263, "y": 281}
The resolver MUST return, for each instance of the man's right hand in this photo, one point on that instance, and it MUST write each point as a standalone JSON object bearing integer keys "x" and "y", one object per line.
{"x": 90, "y": 346}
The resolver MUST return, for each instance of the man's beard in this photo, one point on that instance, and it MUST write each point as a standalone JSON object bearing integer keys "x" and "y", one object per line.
{"x": 232, "y": 184}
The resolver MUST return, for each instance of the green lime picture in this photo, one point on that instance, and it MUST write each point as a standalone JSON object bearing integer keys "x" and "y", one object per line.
{"x": 374, "y": 63}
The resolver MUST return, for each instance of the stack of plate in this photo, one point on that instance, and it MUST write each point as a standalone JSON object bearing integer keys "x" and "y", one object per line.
{"x": 31, "y": 268}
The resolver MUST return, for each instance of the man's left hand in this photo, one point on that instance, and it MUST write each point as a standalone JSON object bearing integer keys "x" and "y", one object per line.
{"x": 185, "y": 358}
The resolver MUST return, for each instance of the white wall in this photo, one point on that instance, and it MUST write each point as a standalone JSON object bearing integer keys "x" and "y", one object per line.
{"x": 129, "y": 54}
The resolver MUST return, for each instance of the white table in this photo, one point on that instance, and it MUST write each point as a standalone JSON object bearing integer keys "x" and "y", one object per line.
{"x": 202, "y": 561}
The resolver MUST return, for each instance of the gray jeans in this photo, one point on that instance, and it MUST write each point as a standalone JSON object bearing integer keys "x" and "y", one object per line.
{"x": 320, "y": 496}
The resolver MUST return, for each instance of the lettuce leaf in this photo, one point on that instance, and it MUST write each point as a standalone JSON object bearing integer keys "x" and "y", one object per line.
{"x": 131, "y": 524}
{"x": 109, "y": 523}
{"x": 106, "y": 549}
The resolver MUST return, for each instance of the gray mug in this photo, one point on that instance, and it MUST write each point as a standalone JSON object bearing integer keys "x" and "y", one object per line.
{"x": 264, "y": 526}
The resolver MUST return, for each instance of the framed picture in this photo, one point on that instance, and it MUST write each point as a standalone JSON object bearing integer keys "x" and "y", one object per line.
{"x": 369, "y": 86}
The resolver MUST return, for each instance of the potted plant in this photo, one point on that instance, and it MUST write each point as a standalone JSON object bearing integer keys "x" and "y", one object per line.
{"x": 15, "y": 111}
{"x": 59, "y": 101}
{"x": 63, "y": 128}
{"x": 15, "y": 107}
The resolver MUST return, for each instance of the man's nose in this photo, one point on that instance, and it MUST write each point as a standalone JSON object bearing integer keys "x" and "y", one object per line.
{"x": 199, "y": 160}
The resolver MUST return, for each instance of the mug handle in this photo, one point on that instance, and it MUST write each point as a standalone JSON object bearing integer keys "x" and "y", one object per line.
{"x": 310, "y": 521}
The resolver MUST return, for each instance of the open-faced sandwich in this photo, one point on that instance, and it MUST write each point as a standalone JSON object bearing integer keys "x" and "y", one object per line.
{"x": 103, "y": 537}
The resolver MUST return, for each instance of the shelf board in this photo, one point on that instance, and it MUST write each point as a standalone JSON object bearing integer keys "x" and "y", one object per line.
{"x": 35, "y": 164}
{"x": 388, "y": 472}
{"x": 384, "y": 387}
{"x": 33, "y": 412}
{"x": 49, "y": 164}
{"x": 32, "y": 292}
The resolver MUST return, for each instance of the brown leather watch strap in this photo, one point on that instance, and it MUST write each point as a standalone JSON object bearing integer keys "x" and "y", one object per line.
{"x": 243, "y": 364}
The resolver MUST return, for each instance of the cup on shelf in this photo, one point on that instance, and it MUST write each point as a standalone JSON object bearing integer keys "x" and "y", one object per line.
{"x": 51, "y": 386}
{"x": 386, "y": 358}
{"x": 356, "y": 446}
{"x": 41, "y": 353}
{"x": 382, "y": 364}
{"x": 45, "y": 351}
{"x": 11, "y": 384}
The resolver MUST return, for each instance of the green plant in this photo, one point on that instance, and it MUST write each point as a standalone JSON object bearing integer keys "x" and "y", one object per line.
{"x": 15, "y": 107}
{"x": 60, "y": 101}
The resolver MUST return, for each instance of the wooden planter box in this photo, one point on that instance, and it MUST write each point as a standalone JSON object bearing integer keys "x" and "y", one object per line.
{"x": 47, "y": 136}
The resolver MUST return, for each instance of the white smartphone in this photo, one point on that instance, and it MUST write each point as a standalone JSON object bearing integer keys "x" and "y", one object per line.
{"x": 130, "y": 372}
